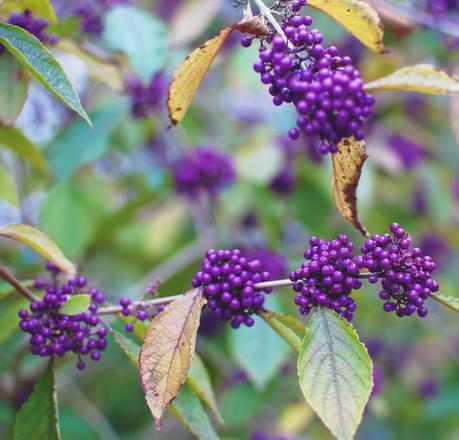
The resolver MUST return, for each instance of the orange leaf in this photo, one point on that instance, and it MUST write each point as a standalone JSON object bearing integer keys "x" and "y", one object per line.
{"x": 347, "y": 168}
{"x": 189, "y": 75}
{"x": 168, "y": 350}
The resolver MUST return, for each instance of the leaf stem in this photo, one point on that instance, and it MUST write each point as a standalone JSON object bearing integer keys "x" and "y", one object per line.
{"x": 110, "y": 310}
{"x": 10, "y": 278}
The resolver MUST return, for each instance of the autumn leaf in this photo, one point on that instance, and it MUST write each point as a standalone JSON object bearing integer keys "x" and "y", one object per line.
{"x": 347, "y": 168}
{"x": 421, "y": 78}
{"x": 356, "y": 16}
{"x": 40, "y": 242}
{"x": 190, "y": 73}
{"x": 168, "y": 350}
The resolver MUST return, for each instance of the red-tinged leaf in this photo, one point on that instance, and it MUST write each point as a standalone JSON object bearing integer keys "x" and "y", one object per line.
{"x": 168, "y": 350}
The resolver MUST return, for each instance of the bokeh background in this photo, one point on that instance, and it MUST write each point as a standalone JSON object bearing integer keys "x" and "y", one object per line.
{"x": 110, "y": 204}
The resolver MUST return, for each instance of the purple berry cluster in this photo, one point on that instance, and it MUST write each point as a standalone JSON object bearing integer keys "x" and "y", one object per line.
{"x": 54, "y": 333}
{"x": 205, "y": 171}
{"x": 327, "y": 277}
{"x": 326, "y": 89}
{"x": 140, "y": 312}
{"x": 145, "y": 99}
{"x": 35, "y": 26}
{"x": 406, "y": 274}
{"x": 228, "y": 279}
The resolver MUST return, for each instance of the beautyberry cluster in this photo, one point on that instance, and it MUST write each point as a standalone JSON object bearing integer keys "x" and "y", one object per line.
{"x": 54, "y": 333}
{"x": 406, "y": 274}
{"x": 36, "y": 26}
{"x": 205, "y": 171}
{"x": 228, "y": 279}
{"x": 145, "y": 99}
{"x": 327, "y": 277}
{"x": 326, "y": 89}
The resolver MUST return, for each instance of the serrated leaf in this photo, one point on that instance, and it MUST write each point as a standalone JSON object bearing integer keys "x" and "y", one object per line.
{"x": 347, "y": 168}
{"x": 357, "y": 17}
{"x": 258, "y": 350}
{"x": 189, "y": 412}
{"x": 168, "y": 350}
{"x": 199, "y": 382}
{"x": 335, "y": 372}
{"x": 189, "y": 75}
{"x": 15, "y": 140}
{"x": 76, "y": 304}
{"x": 287, "y": 327}
{"x": 42, "y": 8}
{"x": 40, "y": 242}
{"x": 38, "y": 417}
{"x": 448, "y": 301}
{"x": 42, "y": 64}
{"x": 81, "y": 144}
{"x": 140, "y": 36}
{"x": 187, "y": 408}
{"x": 421, "y": 78}
{"x": 14, "y": 85}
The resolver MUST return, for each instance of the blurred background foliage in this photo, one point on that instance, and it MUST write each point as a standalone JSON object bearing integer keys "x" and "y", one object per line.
{"x": 108, "y": 201}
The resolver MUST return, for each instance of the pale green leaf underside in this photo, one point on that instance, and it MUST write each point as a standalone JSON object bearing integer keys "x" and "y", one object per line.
{"x": 42, "y": 64}
{"x": 448, "y": 301}
{"x": 76, "y": 304}
{"x": 335, "y": 372}
{"x": 38, "y": 417}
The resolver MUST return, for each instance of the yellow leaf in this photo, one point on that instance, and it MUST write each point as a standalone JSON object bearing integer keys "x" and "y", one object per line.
{"x": 190, "y": 73}
{"x": 347, "y": 168}
{"x": 42, "y": 8}
{"x": 168, "y": 350}
{"x": 40, "y": 242}
{"x": 356, "y": 16}
{"x": 421, "y": 78}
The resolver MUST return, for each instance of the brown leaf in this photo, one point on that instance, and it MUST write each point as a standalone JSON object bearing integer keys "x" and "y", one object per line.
{"x": 347, "y": 168}
{"x": 190, "y": 73}
{"x": 356, "y": 16}
{"x": 168, "y": 350}
{"x": 421, "y": 78}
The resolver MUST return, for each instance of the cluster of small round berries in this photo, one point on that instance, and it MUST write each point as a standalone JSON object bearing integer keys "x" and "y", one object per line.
{"x": 54, "y": 333}
{"x": 327, "y": 277}
{"x": 138, "y": 311}
{"x": 228, "y": 279}
{"x": 326, "y": 89}
{"x": 406, "y": 274}
{"x": 145, "y": 99}
{"x": 205, "y": 171}
{"x": 36, "y": 26}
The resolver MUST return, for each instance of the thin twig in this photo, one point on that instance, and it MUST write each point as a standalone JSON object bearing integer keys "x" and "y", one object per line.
{"x": 9, "y": 278}
{"x": 110, "y": 310}
{"x": 274, "y": 283}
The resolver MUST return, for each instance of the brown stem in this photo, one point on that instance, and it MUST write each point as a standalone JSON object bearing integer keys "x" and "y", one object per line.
{"x": 110, "y": 310}
{"x": 9, "y": 278}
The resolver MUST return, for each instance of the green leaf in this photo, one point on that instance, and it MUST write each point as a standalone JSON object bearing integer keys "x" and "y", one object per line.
{"x": 40, "y": 242}
{"x": 288, "y": 328}
{"x": 65, "y": 210}
{"x": 42, "y": 64}
{"x": 448, "y": 301}
{"x": 140, "y": 36}
{"x": 421, "y": 78}
{"x": 8, "y": 191}
{"x": 76, "y": 304}
{"x": 81, "y": 144}
{"x": 335, "y": 372}
{"x": 42, "y": 8}
{"x": 38, "y": 417}
{"x": 15, "y": 140}
{"x": 258, "y": 350}
{"x": 200, "y": 384}
{"x": 14, "y": 84}
{"x": 188, "y": 410}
